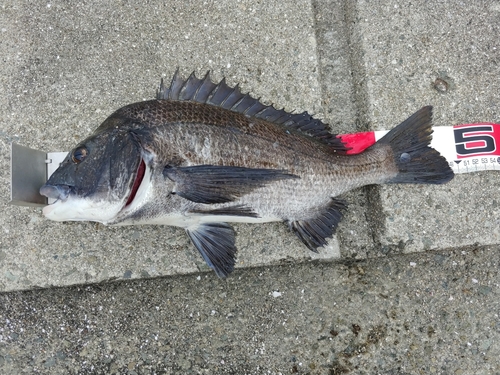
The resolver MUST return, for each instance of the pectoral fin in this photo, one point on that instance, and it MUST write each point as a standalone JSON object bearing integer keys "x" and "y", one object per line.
{"x": 238, "y": 210}
{"x": 216, "y": 244}
{"x": 220, "y": 184}
{"x": 314, "y": 232}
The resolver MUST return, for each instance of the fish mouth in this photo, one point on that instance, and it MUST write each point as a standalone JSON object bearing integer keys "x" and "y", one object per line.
{"x": 139, "y": 176}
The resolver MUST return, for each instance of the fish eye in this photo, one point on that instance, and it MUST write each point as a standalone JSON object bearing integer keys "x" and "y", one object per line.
{"x": 79, "y": 154}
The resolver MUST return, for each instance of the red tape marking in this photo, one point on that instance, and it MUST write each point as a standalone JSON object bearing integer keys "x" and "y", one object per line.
{"x": 358, "y": 142}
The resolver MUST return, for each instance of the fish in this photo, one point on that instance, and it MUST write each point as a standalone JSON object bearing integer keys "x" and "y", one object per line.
{"x": 203, "y": 155}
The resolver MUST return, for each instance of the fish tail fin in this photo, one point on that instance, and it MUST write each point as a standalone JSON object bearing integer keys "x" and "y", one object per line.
{"x": 416, "y": 161}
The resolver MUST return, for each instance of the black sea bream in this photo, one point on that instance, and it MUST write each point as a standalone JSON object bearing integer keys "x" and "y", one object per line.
{"x": 204, "y": 154}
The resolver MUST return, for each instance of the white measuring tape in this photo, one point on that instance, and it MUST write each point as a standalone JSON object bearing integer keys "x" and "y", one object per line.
{"x": 467, "y": 148}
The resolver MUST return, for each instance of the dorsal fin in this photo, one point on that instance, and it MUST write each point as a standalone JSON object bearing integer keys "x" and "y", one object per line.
{"x": 222, "y": 95}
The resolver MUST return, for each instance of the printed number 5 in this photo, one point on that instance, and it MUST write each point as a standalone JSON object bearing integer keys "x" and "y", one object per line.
{"x": 474, "y": 143}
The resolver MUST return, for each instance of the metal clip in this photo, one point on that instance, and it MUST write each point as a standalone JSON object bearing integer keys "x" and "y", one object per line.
{"x": 29, "y": 170}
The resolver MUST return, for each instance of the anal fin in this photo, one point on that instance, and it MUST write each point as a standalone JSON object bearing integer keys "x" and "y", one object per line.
{"x": 314, "y": 232}
{"x": 216, "y": 244}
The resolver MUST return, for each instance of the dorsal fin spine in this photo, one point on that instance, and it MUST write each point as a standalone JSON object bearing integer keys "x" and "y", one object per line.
{"x": 196, "y": 91}
{"x": 215, "y": 90}
{"x": 235, "y": 105}
{"x": 260, "y": 112}
{"x": 278, "y": 120}
{"x": 202, "y": 81}
{"x": 160, "y": 90}
{"x": 184, "y": 86}
{"x": 257, "y": 102}
{"x": 231, "y": 98}
{"x": 173, "y": 95}
{"x": 230, "y": 94}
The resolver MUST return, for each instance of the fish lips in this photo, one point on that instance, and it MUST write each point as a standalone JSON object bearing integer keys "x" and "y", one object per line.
{"x": 55, "y": 191}
{"x": 61, "y": 185}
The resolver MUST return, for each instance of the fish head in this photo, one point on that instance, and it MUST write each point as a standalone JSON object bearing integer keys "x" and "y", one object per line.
{"x": 98, "y": 178}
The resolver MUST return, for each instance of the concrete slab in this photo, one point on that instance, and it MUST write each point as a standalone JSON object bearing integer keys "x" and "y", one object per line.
{"x": 423, "y": 313}
{"x": 405, "y": 50}
{"x": 340, "y": 110}
{"x": 74, "y": 66}
{"x": 68, "y": 66}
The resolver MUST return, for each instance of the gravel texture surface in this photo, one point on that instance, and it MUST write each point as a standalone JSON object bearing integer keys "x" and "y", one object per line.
{"x": 423, "y": 313}
{"x": 409, "y": 286}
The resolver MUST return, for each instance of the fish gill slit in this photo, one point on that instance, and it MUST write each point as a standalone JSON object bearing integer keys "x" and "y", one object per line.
{"x": 141, "y": 170}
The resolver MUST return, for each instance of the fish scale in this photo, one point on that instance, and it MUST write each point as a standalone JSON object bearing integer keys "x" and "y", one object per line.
{"x": 203, "y": 155}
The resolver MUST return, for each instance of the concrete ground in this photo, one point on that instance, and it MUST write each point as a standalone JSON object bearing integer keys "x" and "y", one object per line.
{"x": 409, "y": 286}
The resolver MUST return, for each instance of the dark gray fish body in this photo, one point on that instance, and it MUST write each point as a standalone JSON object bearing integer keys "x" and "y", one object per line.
{"x": 202, "y": 155}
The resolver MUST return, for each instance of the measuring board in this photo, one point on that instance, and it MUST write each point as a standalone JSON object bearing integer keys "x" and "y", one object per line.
{"x": 467, "y": 148}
